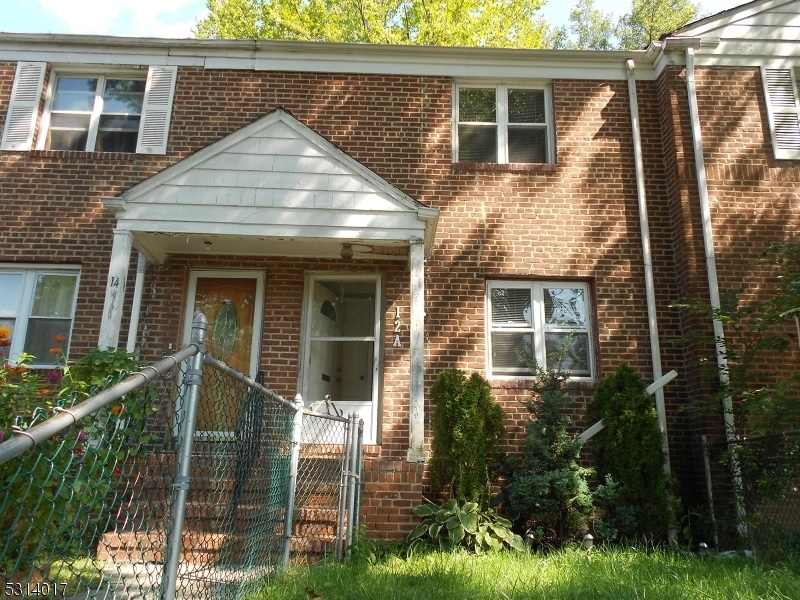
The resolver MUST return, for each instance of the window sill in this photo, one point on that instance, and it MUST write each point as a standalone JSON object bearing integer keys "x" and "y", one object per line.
{"x": 523, "y": 383}
{"x": 506, "y": 168}
{"x": 82, "y": 154}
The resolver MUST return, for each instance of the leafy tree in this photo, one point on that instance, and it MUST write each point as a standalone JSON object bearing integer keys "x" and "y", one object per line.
{"x": 759, "y": 380}
{"x": 489, "y": 23}
{"x": 468, "y": 433}
{"x": 592, "y": 29}
{"x": 589, "y": 29}
{"x": 650, "y": 19}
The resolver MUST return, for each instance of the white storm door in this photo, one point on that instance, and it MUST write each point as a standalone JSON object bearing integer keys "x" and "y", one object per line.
{"x": 340, "y": 347}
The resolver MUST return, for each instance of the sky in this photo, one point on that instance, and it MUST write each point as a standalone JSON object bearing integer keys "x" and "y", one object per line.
{"x": 176, "y": 18}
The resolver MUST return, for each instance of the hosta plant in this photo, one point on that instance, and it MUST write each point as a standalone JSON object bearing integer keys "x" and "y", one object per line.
{"x": 463, "y": 525}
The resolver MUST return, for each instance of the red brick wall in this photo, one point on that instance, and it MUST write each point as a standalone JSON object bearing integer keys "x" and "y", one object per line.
{"x": 577, "y": 220}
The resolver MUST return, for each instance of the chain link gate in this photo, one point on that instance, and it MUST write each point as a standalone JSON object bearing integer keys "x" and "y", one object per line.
{"x": 119, "y": 497}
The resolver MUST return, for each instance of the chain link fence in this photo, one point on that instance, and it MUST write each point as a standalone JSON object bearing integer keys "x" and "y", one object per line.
{"x": 754, "y": 492}
{"x": 185, "y": 480}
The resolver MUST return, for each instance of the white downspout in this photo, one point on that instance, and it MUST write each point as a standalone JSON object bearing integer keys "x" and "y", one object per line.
{"x": 655, "y": 348}
{"x": 136, "y": 308}
{"x": 708, "y": 240}
{"x": 713, "y": 284}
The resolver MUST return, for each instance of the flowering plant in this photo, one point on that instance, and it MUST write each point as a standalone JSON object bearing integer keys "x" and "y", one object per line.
{"x": 60, "y": 496}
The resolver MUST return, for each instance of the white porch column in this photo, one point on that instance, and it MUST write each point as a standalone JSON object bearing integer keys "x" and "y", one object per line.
{"x": 138, "y": 290}
{"x": 416, "y": 435}
{"x": 115, "y": 290}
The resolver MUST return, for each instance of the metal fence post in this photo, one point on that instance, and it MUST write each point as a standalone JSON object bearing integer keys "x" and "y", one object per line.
{"x": 180, "y": 484}
{"x": 294, "y": 463}
{"x": 352, "y": 475}
{"x": 340, "y": 526}
{"x": 709, "y": 487}
{"x": 359, "y": 469}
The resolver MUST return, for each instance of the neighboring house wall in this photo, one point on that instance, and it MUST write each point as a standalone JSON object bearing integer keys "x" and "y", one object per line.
{"x": 754, "y": 201}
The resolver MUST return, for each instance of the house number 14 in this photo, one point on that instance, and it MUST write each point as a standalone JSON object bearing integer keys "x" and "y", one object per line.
{"x": 396, "y": 343}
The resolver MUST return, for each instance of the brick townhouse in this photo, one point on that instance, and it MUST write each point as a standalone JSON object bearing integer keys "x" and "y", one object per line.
{"x": 371, "y": 215}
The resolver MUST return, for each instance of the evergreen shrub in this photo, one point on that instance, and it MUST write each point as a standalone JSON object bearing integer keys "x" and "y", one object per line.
{"x": 468, "y": 436}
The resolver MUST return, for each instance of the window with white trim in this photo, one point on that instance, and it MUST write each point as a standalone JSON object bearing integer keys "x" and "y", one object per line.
{"x": 548, "y": 321}
{"x": 782, "y": 90}
{"x": 503, "y": 124}
{"x": 95, "y": 113}
{"x": 125, "y": 110}
{"x": 37, "y": 308}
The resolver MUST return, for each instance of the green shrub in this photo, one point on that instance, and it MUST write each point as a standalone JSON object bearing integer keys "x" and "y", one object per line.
{"x": 468, "y": 434}
{"x": 629, "y": 452}
{"x": 463, "y": 525}
{"x": 548, "y": 494}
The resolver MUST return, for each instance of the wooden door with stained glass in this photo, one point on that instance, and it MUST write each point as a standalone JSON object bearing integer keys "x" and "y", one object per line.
{"x": 231, "y": 306}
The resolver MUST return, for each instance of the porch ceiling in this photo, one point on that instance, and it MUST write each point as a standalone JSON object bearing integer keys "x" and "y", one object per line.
{"x": 159, "y": 245}
{"x": 272, "y": 188}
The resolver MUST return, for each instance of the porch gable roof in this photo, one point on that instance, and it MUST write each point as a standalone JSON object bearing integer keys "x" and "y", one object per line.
{"x": 274, "y": 180}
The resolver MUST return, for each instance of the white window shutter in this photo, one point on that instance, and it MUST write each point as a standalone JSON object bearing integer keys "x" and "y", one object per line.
{"x": 24, "y": 106}
{"x": 156, "y": 110}
{"x": 784, "y": 112}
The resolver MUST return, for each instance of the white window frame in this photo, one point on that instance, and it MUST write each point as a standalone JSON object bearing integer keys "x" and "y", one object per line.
{"x": 25, "y": 305}
{"x": 97, "y": 110}
{"x": 372, "y": 433}
{"x": 537, "y": 328}
{"x": 782, "y": 96}
{"x": 501, "y": 98}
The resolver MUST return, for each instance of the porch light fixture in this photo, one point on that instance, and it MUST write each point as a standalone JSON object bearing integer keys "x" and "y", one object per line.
{"x": 347, "y": 251}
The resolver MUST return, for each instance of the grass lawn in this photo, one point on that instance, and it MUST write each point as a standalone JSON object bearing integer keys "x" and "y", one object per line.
{"x": 567, "y": 574}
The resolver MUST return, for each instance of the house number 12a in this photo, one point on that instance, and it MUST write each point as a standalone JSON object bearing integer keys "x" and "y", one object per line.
{"x": 396, "y": 343}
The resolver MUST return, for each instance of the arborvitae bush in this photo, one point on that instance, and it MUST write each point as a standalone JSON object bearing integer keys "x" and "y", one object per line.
{"x": 548, "y": 494}
{"x": 468, "y": 434}
{"x": 629, "y": 450}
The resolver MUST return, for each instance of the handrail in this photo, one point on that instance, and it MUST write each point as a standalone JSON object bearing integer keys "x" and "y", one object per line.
{"x": 66, "y": 417}
{"x": 650, "y": 390}
{"x": 233, "y": 373}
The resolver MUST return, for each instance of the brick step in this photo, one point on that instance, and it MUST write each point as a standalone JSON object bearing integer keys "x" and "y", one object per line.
{"x": 196, "y": 547}
{"x": 312, "y": 547}
{"x": 199, "y": 516}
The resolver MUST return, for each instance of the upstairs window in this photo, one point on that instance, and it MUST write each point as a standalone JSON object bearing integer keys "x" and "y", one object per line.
{"x": 546, "y": 321}
{"x": 120, "y": 111}
{"x": 99, "y": 114}
{"x": 503, "y": 124}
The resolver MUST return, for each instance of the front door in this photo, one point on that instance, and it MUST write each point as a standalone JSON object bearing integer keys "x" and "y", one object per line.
{"x": 233, "y": 303}
{"x": 341, "y": 354}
